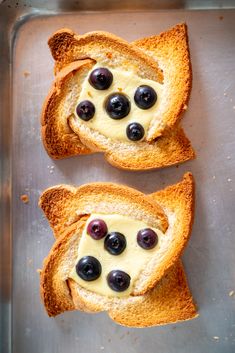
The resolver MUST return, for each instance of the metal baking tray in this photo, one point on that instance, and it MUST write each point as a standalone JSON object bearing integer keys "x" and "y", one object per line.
{"x": 25, "y": 237}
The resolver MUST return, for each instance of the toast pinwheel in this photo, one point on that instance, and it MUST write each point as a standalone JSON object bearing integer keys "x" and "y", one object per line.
{"x": 123, "y": 99}
{"x": 118, "y": 250}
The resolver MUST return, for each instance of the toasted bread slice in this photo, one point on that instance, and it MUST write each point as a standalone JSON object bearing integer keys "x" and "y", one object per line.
{"x": 173, "y": 147}
{"x": 169, "y": 49}
{"x": 60, "y": 140}
{"x": 166, "y": 298}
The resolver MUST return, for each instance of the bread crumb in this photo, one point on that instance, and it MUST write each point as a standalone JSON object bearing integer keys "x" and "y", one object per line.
{"x": 234, "y": 107}
{"x": 185, "y": 107}
{"x": 51, "y": 171}
{"x": 39, "y": 270}
{"x": 231, "y": 100}
{"x": 24, "y": 198}
{"x": 102, "y": 347}
{"x": 120, "y": 89}
{"x": 229, "y": 179}
{"x": 89, "y": 94}
{"x": 26, "y": 74}
{"x": 231, "y": 293}
{"x": 213, "y": 177}
{"x": 221, "y": 18}
{"x": 228, "y": 157}
{"x": 225, "y": 94}
{"x": 216, "y": 338}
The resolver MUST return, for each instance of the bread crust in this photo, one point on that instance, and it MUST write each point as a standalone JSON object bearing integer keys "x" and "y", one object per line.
{"x": 67, "y": 47}
{"x": 167, "y": 300}
{"x": 170, "y": 301}
{"x": 58, "y": 138}
{"x": 171, "y": 48}
{"x": 166, "y": 150}
{"x": 54, "y": 289}
{"x": 65, "y": 204}
{"x": 170, "y": 148}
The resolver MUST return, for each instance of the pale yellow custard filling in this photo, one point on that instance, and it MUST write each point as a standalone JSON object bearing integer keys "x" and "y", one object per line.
{"x": 132, "y": 260}
{"x": 123, "y": 82}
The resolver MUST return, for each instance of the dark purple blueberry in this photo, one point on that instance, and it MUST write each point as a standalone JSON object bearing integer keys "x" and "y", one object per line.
{"x": 85, "y": 110}
{"x": 97, "y": 229}
{"x": 147, "y": 238}
{"x": 135, "y": 131}
{"x": 115, "y": 243}
{"x": 117, "y": 106}
{"x": 118, "y": 280}
{"x": 88, "y": 268}
{"x": 101, "y": 78}
{"x": 145, "y": 97}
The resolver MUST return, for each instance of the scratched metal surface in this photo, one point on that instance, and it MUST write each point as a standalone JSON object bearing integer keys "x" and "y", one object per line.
{"x": 209, "y": 122}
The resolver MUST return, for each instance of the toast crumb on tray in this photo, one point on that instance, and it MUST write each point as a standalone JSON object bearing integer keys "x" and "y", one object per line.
{"x": 24, "y": 198}
{"x": 123, "y": 99}
{"x": 118, "y": 250}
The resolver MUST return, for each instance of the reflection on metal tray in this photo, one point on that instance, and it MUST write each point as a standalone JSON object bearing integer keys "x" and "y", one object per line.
{"x": 25, "y": 235}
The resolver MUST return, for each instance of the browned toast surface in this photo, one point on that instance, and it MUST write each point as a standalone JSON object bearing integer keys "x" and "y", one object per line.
{"x": 167, "y": 298}
{"x": 166, "y": 56}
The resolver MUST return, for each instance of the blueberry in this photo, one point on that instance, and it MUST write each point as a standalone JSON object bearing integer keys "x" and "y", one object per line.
{"x": 115, "y": 243}
{"x": 85, "y": 110}
{"x": 97, "y": 229}
{"x": 135, "y": 131}
{"x": 88, "y": 268}
{"x": 147, "y": 238}
{"x": 118, "y": 280}
{"x": 117, "y": 106}
{"x": 145, "y": 97}
{"x": 101, "y": 78}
